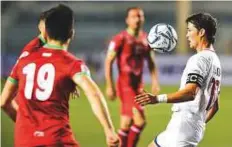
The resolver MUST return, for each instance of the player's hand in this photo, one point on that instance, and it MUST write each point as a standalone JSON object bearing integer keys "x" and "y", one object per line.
{"x": 75, "y": 93}
{"x": 110, "y": 93}
{"x": 145, "y": 99}
{"x": 112, "y": 139}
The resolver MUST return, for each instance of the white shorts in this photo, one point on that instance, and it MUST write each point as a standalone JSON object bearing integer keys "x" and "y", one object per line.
{"x": 185, "y": 129}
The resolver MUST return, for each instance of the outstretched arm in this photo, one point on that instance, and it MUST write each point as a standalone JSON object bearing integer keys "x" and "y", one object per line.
{"x": 7, "y": 103}
{"x": 98, "y": 104}
{"x": 186, "y": 94}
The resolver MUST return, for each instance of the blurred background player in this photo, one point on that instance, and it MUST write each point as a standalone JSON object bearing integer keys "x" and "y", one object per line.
{"x": 44, "y": 79}
{"x": 130, "y": 48}
{"x": 199, "y": 90}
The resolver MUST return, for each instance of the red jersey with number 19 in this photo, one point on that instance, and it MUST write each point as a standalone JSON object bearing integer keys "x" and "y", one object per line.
{"x": 44, "y": 80}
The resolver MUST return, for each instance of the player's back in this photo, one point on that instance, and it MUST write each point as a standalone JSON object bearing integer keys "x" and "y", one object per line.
{"x": 205, "y": 65}
{"x": 45, "y": 83}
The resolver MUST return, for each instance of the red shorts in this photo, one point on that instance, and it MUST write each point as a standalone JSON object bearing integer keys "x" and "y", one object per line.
{"x": 126, "y": 95}
{"x": 55, "y": 145}
{"x": 60, "y": 145}
{"x": 50, "y": 134}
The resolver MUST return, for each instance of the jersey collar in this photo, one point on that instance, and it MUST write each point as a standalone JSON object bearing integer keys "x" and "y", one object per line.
{"x": 132, "y": 32}
{"x": 210, "y": 49}
{"x": 52, "y": 46}
{"x": 42, "y": 39}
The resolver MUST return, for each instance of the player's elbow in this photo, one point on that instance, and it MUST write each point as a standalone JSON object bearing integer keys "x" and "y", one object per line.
{"x": 191, "y": 96}
{"x": 4, "y": 105}
{"x": 216, "y": 108}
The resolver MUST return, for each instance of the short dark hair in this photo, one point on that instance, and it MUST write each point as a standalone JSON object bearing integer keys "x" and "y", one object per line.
{"x": 59, "y": 23}
{"x": 132, "y": 8}
{"x": 45, "y": 14}
{"x": 204, "y": 21}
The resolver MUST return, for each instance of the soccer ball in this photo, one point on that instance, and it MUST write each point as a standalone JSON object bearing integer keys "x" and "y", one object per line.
{"x": 162, "y": 38}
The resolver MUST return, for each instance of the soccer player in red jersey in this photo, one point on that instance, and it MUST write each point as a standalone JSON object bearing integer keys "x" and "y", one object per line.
{"x": 44, "y": 79}
{"x": 38, "y": 42}
{"x": 130, "y": 48}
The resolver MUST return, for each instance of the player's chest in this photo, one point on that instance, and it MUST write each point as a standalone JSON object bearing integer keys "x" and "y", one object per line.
{"x": 135, "y": 46}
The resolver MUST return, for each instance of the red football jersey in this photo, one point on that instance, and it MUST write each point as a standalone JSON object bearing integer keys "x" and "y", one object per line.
{"x": 44, "y": 79}
{"x": 34, "y": 44}
{"x": 131, "y": 52}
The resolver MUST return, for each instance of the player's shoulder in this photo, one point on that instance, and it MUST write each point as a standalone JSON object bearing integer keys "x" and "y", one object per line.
{"x": 202, "y": 58}
{"x": 120, "y": 35}
{"x": 35, "y": 43}
{"x": 71, "y": 58}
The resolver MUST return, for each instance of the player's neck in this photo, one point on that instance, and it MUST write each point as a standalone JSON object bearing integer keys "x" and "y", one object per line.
{"x": 133, "y": 32}
{"x": 203, "y": 45}
{"x": 53, "y": 44}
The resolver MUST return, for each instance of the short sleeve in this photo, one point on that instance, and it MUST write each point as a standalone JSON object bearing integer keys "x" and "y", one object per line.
{"x": 115, "y": 44}
{"x": 13, "y": 75}
{"x": 79, "y": 68}
{"x": 197, "y": 70}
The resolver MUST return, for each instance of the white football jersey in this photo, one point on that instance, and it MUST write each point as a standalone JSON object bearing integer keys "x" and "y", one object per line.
{"x": 204, "y": 69}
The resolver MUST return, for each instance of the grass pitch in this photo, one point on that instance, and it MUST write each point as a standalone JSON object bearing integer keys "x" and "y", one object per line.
{"x": 89, "y": 132}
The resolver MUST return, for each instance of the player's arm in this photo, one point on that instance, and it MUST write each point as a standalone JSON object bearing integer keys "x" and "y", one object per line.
{"x": 196, "y": 68}
{"x": 212, "y": 111}
{"x": 97, "y": 102}
{"x": 110, "y": 88}
{"x": 186, "y": 94}
{"x": 95, "y": 98}
{"x": 7, "y": 103}
{"x": 113, "y": 49}
{"x": 154, "y": 73}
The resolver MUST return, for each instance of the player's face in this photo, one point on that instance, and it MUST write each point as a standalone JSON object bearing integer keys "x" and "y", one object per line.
{"x": 135, "y": 18}
{"x": 192, "y": 35}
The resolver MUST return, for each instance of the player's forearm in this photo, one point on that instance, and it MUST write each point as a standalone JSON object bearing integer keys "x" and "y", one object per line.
{"x": 96, "y": 100}
{"x": 7, "y": 102}
{"x": 180, "y": 96}
{"x": 10, "y": 111}
{"x": 153, "y": 71}
{"x": 109, "y": 73}
{"x": 183, "y": 95}
{"x": 211, "y": 113}
{"x": 98, "y": 104}
{"x": 154, "y": 77}
{"x": 100, "y": 109}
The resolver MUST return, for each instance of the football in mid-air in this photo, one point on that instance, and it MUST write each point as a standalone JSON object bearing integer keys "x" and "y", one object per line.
{"x": 162, "y": 38}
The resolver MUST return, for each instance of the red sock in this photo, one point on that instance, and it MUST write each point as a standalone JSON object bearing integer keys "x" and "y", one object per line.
{"x": 133, "y": 136}
{"x": 123, "y": 135}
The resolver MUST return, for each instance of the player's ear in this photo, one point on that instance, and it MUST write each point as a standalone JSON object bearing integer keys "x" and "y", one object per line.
{"x": 71, "y": 34}
{"x": 202, "y": 32}
{"x": 126, "y": 20}
{"x": 45, "y": 34}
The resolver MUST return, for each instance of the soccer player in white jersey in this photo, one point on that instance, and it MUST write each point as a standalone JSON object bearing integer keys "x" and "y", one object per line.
{"x": 196, "y": 102}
